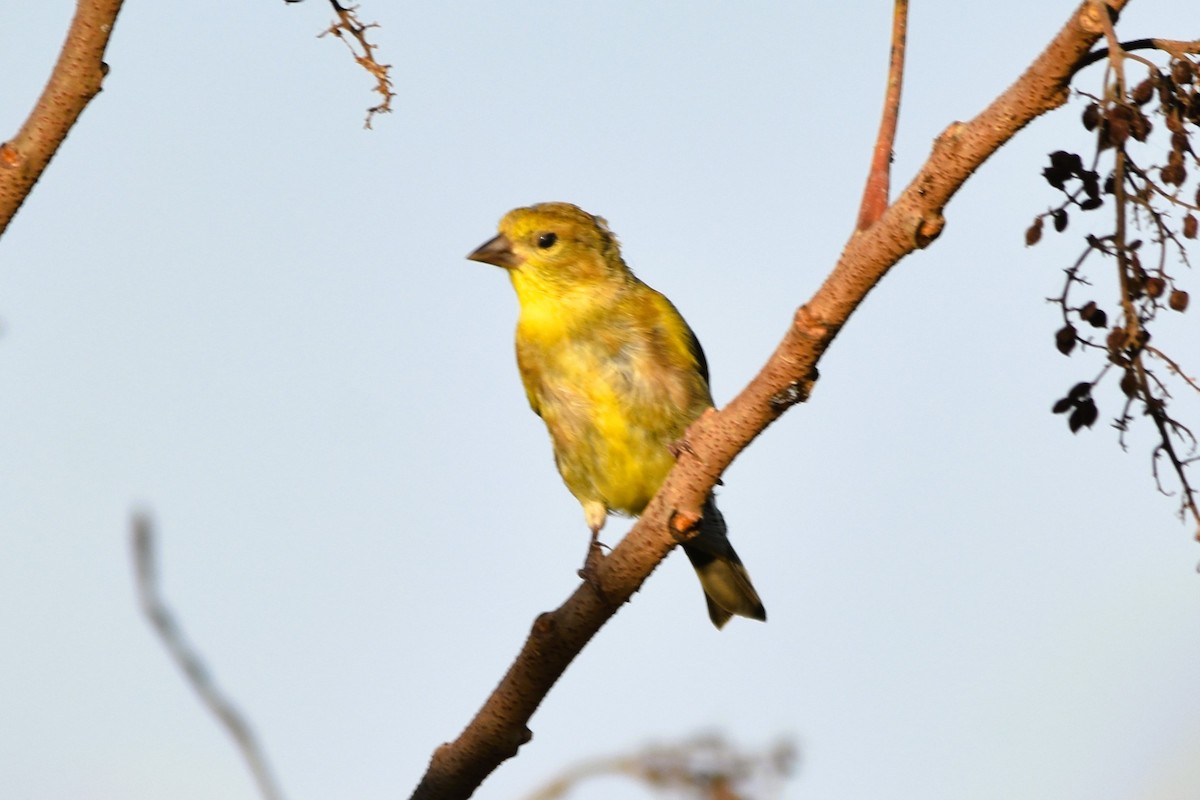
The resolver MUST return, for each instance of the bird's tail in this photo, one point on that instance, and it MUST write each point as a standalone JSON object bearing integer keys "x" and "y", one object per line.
{"x": 727, "y": 587}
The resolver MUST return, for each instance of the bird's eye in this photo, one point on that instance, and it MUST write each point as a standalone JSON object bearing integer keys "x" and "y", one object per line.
{"x": 547, "y": 240}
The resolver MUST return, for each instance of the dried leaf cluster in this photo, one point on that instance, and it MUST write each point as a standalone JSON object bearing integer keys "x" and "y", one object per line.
{"x": 1141, "y": 176}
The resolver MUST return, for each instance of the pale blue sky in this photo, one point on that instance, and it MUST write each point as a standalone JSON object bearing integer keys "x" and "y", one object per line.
{"x": 229, "y": 304}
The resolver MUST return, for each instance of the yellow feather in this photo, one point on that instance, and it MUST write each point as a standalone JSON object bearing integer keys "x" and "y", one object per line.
{"x": 615, "y": 373}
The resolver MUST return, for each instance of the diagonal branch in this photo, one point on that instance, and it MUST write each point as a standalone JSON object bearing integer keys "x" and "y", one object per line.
{"x": 74, "y": 82}
{"x": 912, "y": 222}
{"x": 875, "y": 195}
{"x": 189, "y": 661}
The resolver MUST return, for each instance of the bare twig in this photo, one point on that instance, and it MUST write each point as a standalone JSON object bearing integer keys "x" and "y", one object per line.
{"x": 1170, "y": 46}
{"x": 189, "y": 661}
{"x": 706, "y": 767}
{"x": 353, "y": 33}
{"x": 912, "y": 222}
{"x": 1156, "y": 407}
{"x": 74, "y": 82}
{"x": 875, "y": 195}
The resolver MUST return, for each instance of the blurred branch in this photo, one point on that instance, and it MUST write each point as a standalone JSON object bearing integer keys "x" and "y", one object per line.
{"x": 73, "y": 83}
{"x": 875, "y": 195}
{"x": 912, "y": 222}
{"x": 145, "y": 559}
{"x": 706, "y": 767}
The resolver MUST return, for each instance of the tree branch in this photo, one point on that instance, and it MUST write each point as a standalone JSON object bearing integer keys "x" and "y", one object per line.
{"x": 189, "y": 661}
{"x": 1170, "y": 46}
{"x": 347, "y": 26}
{"x": 74, "y": 82}
{"x": 911, "y": 223}
{"x": 875, "y": 195}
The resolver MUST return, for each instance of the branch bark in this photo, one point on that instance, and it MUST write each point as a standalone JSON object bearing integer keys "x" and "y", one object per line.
{"x": 76, "y": 79}
{"x": 912, "y": 222}
{"x": 875, "y": 195}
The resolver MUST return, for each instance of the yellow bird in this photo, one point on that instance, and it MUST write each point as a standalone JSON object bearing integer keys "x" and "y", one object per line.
{"x": 617, "y": 376}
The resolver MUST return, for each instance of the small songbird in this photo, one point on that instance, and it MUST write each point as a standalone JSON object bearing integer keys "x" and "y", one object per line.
{"x": 617, "y": 376}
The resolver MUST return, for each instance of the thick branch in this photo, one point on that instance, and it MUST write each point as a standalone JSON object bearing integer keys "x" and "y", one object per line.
{"x": 74, "y": 82}
{"x": 911, "y": 223}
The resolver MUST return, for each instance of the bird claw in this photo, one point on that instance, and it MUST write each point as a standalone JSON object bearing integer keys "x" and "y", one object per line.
{"x": 590, "y": 572}
{"x": 679, "y": 447}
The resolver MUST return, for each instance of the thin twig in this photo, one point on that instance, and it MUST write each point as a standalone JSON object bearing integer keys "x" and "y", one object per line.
{"x": 1135, "y": 329}
{"x": 1170, "y": 46}
{"x": 145, "y": 559}
{"x": 1172, "y": 366}
{"x": 875, "y": 195}
{"x": 347, "y": 27}
{"x": 704, "y": 767}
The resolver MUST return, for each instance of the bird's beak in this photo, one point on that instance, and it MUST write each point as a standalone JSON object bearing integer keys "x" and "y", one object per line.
{"x": 496, "y": 251}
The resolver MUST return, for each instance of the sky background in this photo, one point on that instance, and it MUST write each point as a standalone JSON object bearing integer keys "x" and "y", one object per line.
{"x": 228, "y": 304}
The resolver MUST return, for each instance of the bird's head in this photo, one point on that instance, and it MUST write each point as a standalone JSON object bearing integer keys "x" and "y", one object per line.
{"x": 554, "y": 248}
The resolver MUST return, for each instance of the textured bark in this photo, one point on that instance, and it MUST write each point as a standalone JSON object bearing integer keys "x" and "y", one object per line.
{"x": 74, "y": 82}
{"x": 912, "y": 222}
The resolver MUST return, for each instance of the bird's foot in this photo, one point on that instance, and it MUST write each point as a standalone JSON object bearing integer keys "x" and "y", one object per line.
{"x": 590, "y": 572}
{"x": 679, "y": 447}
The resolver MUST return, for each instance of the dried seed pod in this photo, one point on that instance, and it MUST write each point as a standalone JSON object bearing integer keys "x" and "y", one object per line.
{"x": 1064, "y": 405}
{"x": 1189, "y": 227}
{"x": 1070, "y": 163}
{"x": 1084, "y": 415}
{"x": 1181, "y": 72}
{"x": 1093, "y": 315}
{"x": 1060, "y": 219}
{"x": 1033, "y": 234}
{"x": 1140, "y": 126}
{"x": 1178, "y": 300}
{"x": 1116, "y": 340}
{"x": 1091, "y": 117}
{"x": 1174, "y": 174}
{"x": 1166, "y": 89}
{"x": 1079, "y": 391}
{"x": 1143, "y": 92}
{"x": 1129, "y": 383}
{"x": 1062, "y": 166}
{"x": 1064, "y": 339}
{"x": 1118, "y": 130}
{"x": 1155, "y": 287}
